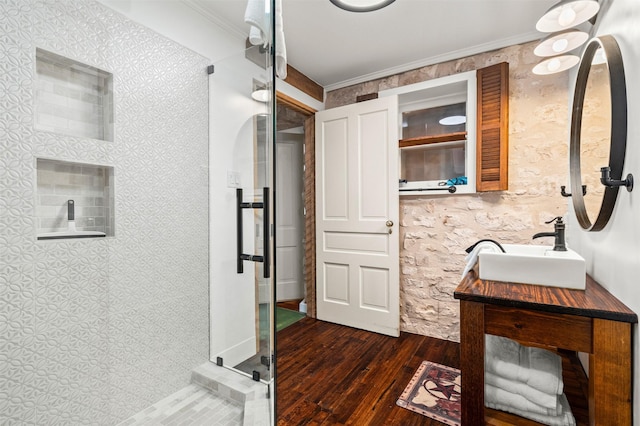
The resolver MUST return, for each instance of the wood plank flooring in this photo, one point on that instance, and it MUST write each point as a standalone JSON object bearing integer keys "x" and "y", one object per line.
{"x": 329, "y": 374}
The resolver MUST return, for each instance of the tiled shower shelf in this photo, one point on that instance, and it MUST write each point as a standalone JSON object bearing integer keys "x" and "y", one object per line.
{"x": 72, "y": 98}
{"x": 73, "y": 200}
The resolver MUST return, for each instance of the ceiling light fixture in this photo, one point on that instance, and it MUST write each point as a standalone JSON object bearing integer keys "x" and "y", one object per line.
{"x": 567, "y": 14}
{"x": 556, "y": 64}
{"x": 361, "y": 5}
{"x": 562, "y": 42}
{"x": 453, "y": 120}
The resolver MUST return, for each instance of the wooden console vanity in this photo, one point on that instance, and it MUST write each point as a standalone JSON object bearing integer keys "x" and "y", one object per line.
{"x": 591, "y": 321}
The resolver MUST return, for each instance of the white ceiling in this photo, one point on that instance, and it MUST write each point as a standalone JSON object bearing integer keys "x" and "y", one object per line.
{"x": 336, "y": 48}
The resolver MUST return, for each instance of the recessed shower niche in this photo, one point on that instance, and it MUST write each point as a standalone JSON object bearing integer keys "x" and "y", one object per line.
{"x": 72, "y": 98}
{"x": 73, "y": 200}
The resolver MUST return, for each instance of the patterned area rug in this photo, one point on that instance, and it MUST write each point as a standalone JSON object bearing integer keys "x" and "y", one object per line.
{"x": 434, "y": 391}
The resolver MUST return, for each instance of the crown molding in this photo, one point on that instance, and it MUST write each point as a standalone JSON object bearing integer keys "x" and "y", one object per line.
{"x": 456, "y": 54}
{"x": 231, "y": 29}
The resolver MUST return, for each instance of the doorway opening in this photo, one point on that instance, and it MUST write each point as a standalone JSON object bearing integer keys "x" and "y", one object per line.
{"x": 295, "y": 205}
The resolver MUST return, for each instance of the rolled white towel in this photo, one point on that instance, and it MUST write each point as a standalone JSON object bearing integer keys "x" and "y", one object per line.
{"x": 256, "y": 37}
{"x": 538, "y": 368}
{"x": 281, "y": 48}
{"x": 256, "y": 14}
{"x": 534, "y": 395}
{"x": 472, "y": 258}
{"x": 564, "y": 419}
{"x": 495, "y": 395}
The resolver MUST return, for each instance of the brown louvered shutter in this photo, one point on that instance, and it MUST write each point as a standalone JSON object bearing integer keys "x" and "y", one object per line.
{"x": 492, "y": 155}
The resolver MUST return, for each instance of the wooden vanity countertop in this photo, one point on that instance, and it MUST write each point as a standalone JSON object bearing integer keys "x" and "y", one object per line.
{"x": 593, "y": 302}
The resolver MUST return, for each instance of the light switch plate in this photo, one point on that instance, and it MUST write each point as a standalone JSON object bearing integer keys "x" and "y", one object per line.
{"x": 233, "y": 179}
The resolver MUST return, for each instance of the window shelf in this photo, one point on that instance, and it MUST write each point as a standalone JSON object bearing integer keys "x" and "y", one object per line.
{"x": 427, "y": 140}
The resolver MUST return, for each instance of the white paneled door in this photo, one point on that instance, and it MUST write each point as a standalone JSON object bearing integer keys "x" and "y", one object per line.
{"x": 357, "y": 231}
{"x": 289, "y": 220}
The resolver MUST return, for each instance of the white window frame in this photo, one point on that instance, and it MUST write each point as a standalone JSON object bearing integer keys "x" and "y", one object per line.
{"x": 455, "y": 88}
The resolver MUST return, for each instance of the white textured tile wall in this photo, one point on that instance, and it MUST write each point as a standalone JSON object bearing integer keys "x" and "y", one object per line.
{"x": 93, "y": 331}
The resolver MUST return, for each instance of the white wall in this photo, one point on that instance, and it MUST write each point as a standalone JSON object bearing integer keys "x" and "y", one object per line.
{"x": 180, "y": 23}
{"x": 613, "y": 254}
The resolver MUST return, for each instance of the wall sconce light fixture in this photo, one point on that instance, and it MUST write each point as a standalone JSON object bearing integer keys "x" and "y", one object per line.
{"x": 562, "y": 42}
{"x": 261, "y": 95}
{"x": 560, "y": 18}
{"x": 566, "y": 14}
{"x": 556, "y": 64}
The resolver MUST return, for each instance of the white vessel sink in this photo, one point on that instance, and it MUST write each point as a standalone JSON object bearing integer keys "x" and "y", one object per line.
{"x": 534, "y": 264}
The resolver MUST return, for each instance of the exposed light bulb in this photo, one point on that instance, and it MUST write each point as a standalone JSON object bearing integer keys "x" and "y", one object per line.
{"x": 553, "y": 65}
{"x": 567, "y": 16}
{"x": 560, "y": 45}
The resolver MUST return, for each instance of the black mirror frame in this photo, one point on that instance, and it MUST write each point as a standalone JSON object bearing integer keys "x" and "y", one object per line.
{"x": 618, "y": 142}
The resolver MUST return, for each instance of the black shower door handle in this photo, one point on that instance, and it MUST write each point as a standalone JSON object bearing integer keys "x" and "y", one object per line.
{"x": 264, "y": 259}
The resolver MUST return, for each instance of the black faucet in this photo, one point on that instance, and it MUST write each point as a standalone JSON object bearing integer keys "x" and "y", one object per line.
{"x": 558, "y": 226}
{"x": 470, "y": 249}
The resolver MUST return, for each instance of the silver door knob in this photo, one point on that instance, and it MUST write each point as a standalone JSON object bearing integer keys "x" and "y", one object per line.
{"x": 389, "y": 223}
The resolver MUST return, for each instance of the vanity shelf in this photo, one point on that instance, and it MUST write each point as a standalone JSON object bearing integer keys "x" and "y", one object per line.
{"x": 592, "y": 321}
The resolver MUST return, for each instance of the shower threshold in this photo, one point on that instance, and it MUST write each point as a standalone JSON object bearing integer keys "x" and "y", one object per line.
{"x": 216, "y": 396}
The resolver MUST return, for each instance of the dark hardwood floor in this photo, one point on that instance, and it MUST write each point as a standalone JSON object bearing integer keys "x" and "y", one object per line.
{"x": 329, "y": 374}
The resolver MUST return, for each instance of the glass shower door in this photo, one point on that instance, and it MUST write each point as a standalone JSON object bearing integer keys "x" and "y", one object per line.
{"x": 241, "y": 187}
{"x": 253, "y": 248}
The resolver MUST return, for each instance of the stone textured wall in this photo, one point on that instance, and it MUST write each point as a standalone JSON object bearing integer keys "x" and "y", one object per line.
{"x": 436, "y": 229}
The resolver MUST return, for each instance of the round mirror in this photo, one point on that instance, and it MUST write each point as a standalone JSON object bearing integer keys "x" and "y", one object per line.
{"x": 598, "y": 131}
